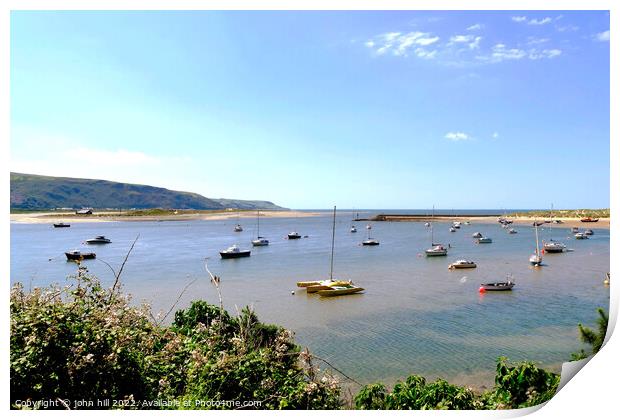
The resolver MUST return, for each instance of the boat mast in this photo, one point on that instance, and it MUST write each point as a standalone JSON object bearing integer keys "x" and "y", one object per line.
{"x": 537, "y": 248}
{"x": 257, "y": 224}
{"x": 432, "y": 220}
{"x": 331, "y": 268}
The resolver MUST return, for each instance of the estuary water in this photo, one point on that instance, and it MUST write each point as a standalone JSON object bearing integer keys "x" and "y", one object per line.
{"x": 415, "y": 316}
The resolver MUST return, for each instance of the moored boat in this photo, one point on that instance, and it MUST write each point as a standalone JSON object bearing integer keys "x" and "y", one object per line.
{"x": 234, "y": 252}
{"x": 589, "y": 232}
{"x": 581, "y": 235}
{"x": 259, "y": 241}
{"x": 497, "y": 287}
{"x": 589, "y": 220}
{"x": 293, "y": 235}
{"x": 437, "y": 250}
{"x": 462, "y": 264}
{"x": 326, "y": 285}
{"x": 61, "y": 225}
{"x": 536, "y": 258}
{"x": 452, "y": 229}
{"x": 512, "y": 231}
{"x": 574, "y": 229}
{"x": 553, "y": 247}
{"x": 370, "y": 241}
{"x": 484, "y": 240}
{"x": 238, "y": 228}
{"x": 98, "y": 240}
{"x": 340, "y": 290}
{"x": 76, "y": 255}
{"x": 476, "y": 235}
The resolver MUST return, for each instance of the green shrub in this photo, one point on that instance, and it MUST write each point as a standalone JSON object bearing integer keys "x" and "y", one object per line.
{"x": 85, "y": 342}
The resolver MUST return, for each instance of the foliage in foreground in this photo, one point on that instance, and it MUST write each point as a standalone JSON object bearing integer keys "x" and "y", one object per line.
{"x": 86, "y": 342}
{"x": 516, "y": 386}
{"x": 593, "y": 338}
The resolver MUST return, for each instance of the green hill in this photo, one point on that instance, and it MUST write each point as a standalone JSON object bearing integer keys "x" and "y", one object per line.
{"x": 36, "y": 192}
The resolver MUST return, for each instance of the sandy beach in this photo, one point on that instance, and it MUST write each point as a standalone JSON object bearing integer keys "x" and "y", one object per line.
{"x": 567, "y": 222}
{"x": 110, "y": 216}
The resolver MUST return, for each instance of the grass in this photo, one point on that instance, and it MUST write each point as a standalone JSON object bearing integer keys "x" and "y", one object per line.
{"x": 575, "y": 213}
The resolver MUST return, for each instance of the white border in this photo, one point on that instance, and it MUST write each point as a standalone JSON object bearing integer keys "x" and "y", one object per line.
{"x": 592, "y": 392}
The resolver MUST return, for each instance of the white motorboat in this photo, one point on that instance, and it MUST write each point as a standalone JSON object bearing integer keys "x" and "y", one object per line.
{"x": 462, "y": 264}
{"x": 238, "y": 228}
{"x": 452, "y": 229}
{"x": 589, "y": 232}
{"x": 512, "y": 231}
{"x": 98, "y": 240}
{"x": 353, "y": 229}
{"x": 476, "y": 235}
{"x": 293, "y": 235}
{"x": 581, "y": 235}
{"x": 496, "y": 287}
{"x": 456, "y": 225}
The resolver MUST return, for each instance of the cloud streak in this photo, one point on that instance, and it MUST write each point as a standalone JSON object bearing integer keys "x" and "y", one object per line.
{"x": 457, "y": 136}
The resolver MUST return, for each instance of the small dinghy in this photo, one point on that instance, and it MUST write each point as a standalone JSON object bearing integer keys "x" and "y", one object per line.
{"x": 61, "y": 225}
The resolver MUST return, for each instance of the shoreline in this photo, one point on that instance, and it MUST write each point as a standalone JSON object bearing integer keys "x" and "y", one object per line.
{"x": 110, "y": 216}
{"x": 567, "y": 222}
{"x": 106, "y": 217}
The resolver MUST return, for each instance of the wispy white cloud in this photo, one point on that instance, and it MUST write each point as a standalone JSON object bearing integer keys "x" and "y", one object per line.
{"x": 473, "y": 42}
{"x": 542, "y": 21}
{"x": 400, "y": 44}
{"x": 475, "y": 27}
{"x": 567, "y": 28}
{"x": 457, "y": 136}
{"x": 602, "y": 36}
{"x": 533, "y": 21}
{"x": 500, "y": 52}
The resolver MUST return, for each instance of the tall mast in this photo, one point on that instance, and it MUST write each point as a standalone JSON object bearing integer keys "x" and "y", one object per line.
{"x": 537, "y": 248}
{"x": 432, "y": 220}
{"x": 257, "y": 224}
{"x": 331, "y": 268}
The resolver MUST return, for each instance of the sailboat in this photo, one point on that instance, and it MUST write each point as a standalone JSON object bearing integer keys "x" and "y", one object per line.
{"x": 259, "y": 241}
{"x": 370, "y": 241}
{"x": 238, "y": 227}
{"x": 353, "y": 228}
{"x": 331, "y": 287}
{"x": 536, "y": 259}
{"x": 436, "y": 250}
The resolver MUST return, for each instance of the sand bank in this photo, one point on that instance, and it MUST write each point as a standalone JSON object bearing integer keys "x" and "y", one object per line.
{"x": 97, "y": 217}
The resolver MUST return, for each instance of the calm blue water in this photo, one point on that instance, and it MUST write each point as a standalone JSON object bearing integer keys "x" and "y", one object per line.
{"x": 415, "y": 317}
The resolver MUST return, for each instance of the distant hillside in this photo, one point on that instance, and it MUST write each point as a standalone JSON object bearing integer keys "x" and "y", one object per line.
{"x": 36, "y": 192}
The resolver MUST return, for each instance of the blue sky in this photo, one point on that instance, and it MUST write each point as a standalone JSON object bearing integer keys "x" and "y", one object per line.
{"x": 309, "y": 109}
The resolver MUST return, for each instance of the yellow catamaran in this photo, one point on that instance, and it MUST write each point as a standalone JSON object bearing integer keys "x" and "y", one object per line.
{"x": 330, "y": 287}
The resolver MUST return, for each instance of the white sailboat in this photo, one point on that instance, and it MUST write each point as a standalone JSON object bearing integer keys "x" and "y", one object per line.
{"x": 536, "y": 259}
{"x": 370, "y": 241}
{"x": 353, "y": 228}
{"x": 436, "y": 250}
{"x": 259, "y": 241}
